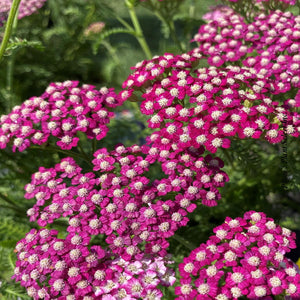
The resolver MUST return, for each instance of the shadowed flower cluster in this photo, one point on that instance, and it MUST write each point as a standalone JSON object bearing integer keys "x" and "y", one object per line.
{"x": 68, "y": 269}
{"x": 245, "y": 257}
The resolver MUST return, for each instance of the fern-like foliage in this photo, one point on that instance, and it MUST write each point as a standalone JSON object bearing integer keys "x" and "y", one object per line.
{"x": 7, "y": 263}
{"x": 10, "y": 230}
{"x": 10, "y": 233}
{"x": 17, "y": 43}
{"x": 106, "y": 34}
{"x": 12, "y": 291}
{"x": 248, "y": 156}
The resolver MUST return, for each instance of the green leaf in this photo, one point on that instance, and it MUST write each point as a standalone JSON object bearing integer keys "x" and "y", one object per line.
{"x": 12, "y": 291}
{"x": 10, "y": 228}
{"x": 108, "y": 33}
{"x": 17, "y": 43}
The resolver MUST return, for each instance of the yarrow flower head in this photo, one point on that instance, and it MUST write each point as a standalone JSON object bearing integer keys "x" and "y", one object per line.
{"x": 269, "y": 35}
{"x": 245, "y": 257}
{"x": 63, "y": 110}
{"x": 53, "y": 268}
{"x": 250, "y": 9}
{"x": 207, "y": 106}
{"x": 94, "y": 28}
{"x": 26, "y": 8}
{"x": 134, "y": 213}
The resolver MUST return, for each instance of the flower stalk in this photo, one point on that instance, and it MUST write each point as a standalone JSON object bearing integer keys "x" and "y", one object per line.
{"x": 9, "y": 26}
{"x": 138, "y": 30}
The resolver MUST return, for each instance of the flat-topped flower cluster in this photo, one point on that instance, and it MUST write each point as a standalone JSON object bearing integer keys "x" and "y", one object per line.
{"x": 245, "y": 257}
{"x": 206, "y": 106}
{"x": 68, "y": 269}
{"x": 133, "y": 213}
{"x": 61, "y": 111}
{"x": 270, "y": 45}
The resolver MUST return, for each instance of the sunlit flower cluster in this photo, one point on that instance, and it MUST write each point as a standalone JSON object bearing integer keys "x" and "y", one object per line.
{"x": 63, "y": 110}
{"x": 133, "y": 213}
{"x": 207, "y": 106}
{"x": 270, "y": 45}
{"x": 69, "y": 269}
{"x": 290, "y": 2}
{"x": 245, "y": 257}
{"x": 26, "y": 8}
{"x": 250, "y": 9}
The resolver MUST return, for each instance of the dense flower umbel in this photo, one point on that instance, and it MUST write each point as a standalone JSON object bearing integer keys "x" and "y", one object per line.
{"x": 270, "y": 45}
{"x": 53, "y": 268}
{"x": 249, "y": 8}
{"x": 291, "y": 2}
{"x": 62, "y": 111}
{"x": 207, "y": 106}
{"x": 26, "y": 8}
{"x": 122, "y": 204}
{"x": 245, "y": 257}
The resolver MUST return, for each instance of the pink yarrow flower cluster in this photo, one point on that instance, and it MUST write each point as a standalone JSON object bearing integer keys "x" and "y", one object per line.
{"x": 26, "y": 8}
{"x": 68, "y": 269}
{"x": 208, "y": 106}
{"x": 250, "y": 9}
{"x": 134, "y": 214}
{"x": 63, "y": 110}
{"x": 290, "y": 2}
{"x": 245, "y": 257}
{"x": 269, "y": 45}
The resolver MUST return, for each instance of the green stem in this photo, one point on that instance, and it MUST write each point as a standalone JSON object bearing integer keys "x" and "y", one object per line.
{"x": 81, "y": 150}
{"x": 124, "y": 23}
{"x": 112, "y": 52}
{"x": 138, "y": 30}
{"x": 85, "y": 156}
{"x": 9, "y": 81}
{"x": 10, "y": 69}
{"x": 66, "y": 152}
{"x": 192, "y": 10}
{"x": 19, "y": 210}
{"x": 12, "y": 205}
{"x": 184, "y": 242}
{"x": 229, "y": 158}
{"x": 16, "y": 294}
{"x": 9, "y": 26}
{"x": 169, "y": 23}
{"x": 94, "y": 145}
{"x": 171, "y": 26}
